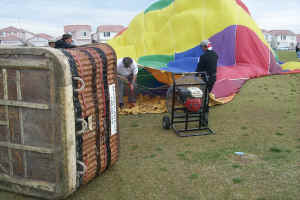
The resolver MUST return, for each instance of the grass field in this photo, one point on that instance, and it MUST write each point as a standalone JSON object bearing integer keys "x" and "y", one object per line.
{"x": 155, "y": 164}
{"x": 286, "y": 56}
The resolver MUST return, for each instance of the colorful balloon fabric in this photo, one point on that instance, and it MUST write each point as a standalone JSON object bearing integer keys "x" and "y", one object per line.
{"x": 165, "y": 38}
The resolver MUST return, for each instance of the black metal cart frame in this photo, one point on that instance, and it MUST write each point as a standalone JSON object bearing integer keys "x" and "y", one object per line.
{"x": 186, "y": 116}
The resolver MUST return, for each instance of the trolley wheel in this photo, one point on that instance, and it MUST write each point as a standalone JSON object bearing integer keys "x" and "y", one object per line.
{"x": 166, "y": 124}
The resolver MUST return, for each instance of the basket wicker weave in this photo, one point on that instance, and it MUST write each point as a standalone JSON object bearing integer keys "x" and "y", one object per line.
{"x": 58, "y": 118}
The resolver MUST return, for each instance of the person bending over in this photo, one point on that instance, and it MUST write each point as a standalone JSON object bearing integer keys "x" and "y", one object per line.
{"x": 127, "y": 72}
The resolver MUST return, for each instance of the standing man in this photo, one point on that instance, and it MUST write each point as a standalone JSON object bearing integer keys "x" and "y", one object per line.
{"x": 127, "y": 72}
{"x": 65, "y": 42}
{"x": 208, "y": 63}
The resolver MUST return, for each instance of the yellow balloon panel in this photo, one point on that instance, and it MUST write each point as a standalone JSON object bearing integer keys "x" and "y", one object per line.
{"x": 181, "y": 26}
{"x": 156, "y": 19}
{"x": 125, "y": 51}
{"x": 154, "y": 46}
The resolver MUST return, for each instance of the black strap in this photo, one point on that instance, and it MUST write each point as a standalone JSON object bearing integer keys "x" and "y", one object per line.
{"x": 94, "y": 82}
{"x": 77, "y": 106}
{"x": 107, "y": 102}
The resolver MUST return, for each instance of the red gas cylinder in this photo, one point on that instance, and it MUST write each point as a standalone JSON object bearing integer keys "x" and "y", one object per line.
{"x": 193, "y": 104}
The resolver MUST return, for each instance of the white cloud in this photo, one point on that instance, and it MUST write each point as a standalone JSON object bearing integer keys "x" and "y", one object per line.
{"x": 271, "y": 21}
{"x": 270, "y": 14}
{"x": 50, "y": 16}
{"x": 54, "y": 19}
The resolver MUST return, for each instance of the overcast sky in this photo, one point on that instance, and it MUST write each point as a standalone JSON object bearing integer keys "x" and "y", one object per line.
{"x": 49, "y": 16}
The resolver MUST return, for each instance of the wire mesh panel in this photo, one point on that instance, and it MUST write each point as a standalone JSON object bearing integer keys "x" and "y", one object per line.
{"x": 36, "y": 134}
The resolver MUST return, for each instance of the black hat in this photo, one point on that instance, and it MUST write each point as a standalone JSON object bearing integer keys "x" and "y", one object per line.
{"x": 66, "y": 36}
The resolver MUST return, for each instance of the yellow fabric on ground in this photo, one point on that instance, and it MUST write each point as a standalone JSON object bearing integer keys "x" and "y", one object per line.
{"x": 145, "y": 104}
{"x": 291, "y": 65}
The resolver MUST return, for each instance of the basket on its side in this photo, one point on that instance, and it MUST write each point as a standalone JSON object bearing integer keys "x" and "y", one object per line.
{"x": 58, "y": 118}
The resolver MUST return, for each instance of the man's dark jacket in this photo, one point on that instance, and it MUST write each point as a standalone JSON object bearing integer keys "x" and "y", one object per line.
{"x": 208, "y": 63}
{"x": 61, "y": 44}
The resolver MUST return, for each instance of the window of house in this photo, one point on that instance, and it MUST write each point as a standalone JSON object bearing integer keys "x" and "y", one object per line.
{"x": 292, "y": 44}
{"x": 283, "y": 37}
{"x": 84, "y": 34}
{"x": 106, "y": 34}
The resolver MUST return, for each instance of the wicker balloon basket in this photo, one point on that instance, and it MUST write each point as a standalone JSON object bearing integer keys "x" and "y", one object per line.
{"x": 58, "y": 118}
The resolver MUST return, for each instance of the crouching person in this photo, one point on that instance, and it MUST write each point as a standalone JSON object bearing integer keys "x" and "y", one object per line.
{"x": 127, "y": 72}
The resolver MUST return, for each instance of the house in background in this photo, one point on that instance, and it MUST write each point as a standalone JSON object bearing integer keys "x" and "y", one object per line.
{"x": 269, "y": 38}
{"x": 107, "y": 32}
{"x": 13, "y": 31}
{"x": 285, "y": 39}
{"x": 40, "y": 40}
{"x": 94, "y": 37}
{"x": 11, "y": 40}
{"x": 267, "y": 35}
{"x": 81, "y": 34}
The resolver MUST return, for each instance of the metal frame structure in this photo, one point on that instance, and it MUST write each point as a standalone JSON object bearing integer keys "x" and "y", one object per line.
{"x": 186, "y": 116}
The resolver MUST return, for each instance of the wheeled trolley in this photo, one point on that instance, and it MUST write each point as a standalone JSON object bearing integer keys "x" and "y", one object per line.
{"x": 187, "y": 103}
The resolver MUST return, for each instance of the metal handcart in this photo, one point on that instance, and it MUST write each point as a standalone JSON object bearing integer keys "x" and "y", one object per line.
{"x": 187, "y": 103}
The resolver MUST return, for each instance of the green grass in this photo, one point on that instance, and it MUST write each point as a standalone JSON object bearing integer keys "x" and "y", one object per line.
{"x": 236, "y": 166}
{"x": 275, "y": 150}
{"x": 163, "y": 169}
{"x": 155, "y": 164}
{"x": 134, "y": 147}
{"x": 159, "y": 149}
{"x": 286, "y": 56}
{"x": 236, "y": 180}
{"x": 279, "y": 134}
{"x": 194, "y": 176}
{"x": 134, "y": 125}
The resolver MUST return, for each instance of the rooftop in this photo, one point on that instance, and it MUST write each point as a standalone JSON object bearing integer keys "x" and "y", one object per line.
{"x": 71, "y": 28}
{"x": 44, "y": 36}
{"x": 11, "y": 29}
{"x": 281, "y": 32}
{"x": 110, "y": 28}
